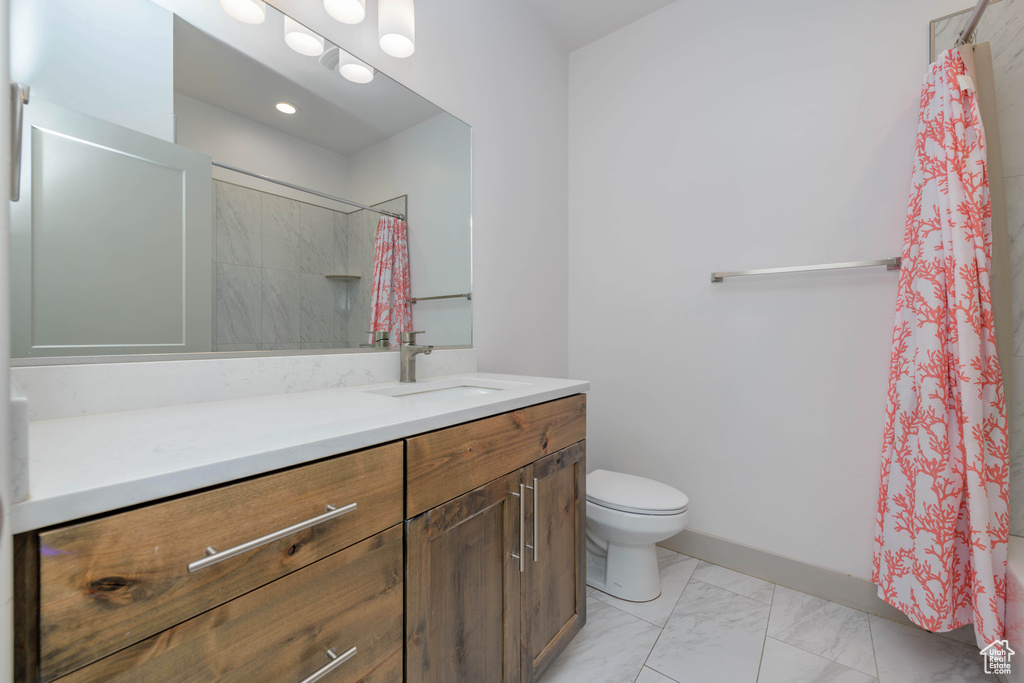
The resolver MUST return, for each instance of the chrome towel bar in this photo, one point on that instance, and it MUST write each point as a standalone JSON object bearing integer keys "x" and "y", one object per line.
{"x": 889, "y": 263}
{"x": 467, "y": 295}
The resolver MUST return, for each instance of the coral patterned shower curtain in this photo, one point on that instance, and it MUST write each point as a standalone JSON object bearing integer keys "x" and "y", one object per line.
{"x": 942, "y": 523}
{"x": 390, "y": 308}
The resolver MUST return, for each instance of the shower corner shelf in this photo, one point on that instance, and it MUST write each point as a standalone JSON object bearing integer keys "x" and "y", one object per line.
{"x": 343, "y": 278}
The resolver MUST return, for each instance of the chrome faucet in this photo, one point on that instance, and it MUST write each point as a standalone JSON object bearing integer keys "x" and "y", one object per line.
{"x": 380, "y": 339}
{"x": 409, "y": 351}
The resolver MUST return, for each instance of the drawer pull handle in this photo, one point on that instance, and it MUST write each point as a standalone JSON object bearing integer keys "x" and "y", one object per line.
{"x": 335, "y": 662}
{"x": 213, "y": 556}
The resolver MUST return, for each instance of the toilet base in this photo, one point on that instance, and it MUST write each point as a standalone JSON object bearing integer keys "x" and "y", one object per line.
{"x": 625, "y": 572}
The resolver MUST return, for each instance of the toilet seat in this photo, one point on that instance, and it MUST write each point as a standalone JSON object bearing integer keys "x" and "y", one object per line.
{"x": 637, "y": 495}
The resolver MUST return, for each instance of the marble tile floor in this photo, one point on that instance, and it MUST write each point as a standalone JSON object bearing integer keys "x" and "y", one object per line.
{"x": 714, "y": 625}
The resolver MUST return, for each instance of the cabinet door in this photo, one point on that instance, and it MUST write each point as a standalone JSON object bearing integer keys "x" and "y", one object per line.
{"x": 554, "y": 584}
{"x": 463, "y": 591}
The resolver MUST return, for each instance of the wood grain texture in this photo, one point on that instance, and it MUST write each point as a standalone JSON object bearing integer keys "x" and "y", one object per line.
{"x": 111, "y": 582}
{"x": 388, "y": 671}
{"x": 446, "y": 463}
{"x": 463, "y": 592}
{"x": 26, "y": 607}
{"x": 282, "y": 631}
{"x": 554, "y": 586}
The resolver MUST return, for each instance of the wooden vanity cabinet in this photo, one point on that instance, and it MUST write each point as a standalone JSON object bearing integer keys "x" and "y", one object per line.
{"x": 486, "y": 584}
{"x": 121, "y": 585}
{"x": 496, "y": 576}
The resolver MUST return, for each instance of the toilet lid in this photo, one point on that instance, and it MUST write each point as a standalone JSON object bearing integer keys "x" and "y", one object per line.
{"x": 634, "y": 494}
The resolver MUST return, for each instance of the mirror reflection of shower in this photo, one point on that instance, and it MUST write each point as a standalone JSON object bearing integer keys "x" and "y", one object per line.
{"x": 285, "y": 267}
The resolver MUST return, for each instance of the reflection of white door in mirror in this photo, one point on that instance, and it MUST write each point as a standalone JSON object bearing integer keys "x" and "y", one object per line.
{"x": 95, "y": 272}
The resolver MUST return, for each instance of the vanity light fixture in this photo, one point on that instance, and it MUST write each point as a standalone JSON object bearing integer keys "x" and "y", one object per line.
{"x": 396, "y": 23}
{"x": 246, "y": 11}
{"x": 353, "y": 68}
{"x": 286, "y": 107}
{"x": 346, "y": 11}
{"x": 301, "y": 39}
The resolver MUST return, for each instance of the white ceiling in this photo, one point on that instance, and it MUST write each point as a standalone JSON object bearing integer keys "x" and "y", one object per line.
{"x": 578, "y": 22}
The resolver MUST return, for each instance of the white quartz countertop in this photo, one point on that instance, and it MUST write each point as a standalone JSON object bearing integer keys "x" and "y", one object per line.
{"x": 82, "y": 466}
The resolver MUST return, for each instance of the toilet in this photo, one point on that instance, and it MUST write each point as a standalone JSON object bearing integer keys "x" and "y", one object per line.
{"x": 626, "y": 516}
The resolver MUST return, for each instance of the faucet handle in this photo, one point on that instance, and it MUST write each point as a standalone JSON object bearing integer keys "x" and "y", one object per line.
{"x": 410, "y": 337}
{"x": 380, "y": 337}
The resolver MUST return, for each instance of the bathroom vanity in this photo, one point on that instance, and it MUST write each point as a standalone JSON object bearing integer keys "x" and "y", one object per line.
{"x": 452, "y": 550}
{"x": 496, "y": 558}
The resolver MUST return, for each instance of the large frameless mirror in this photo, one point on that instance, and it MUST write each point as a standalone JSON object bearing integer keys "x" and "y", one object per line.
{"x": 190, "y": 183}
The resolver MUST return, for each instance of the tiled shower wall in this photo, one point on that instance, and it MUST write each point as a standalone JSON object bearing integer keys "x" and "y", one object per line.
{"x": 1003, "y": 27}
{"x": 271, "y": 256}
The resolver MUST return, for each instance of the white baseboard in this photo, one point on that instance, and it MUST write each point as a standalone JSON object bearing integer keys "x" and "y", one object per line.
{"x": 785, "y": 571}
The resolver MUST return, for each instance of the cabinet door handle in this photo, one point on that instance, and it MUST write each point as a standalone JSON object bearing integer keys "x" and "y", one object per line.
{"x": 330, "y": 666}
{"x": 213, "y": 556}
{"x": 522, "y": 530}
{"x": 522, "y": 522}
{"x": 536, "y": 516}
{"x": 536, "y": 538}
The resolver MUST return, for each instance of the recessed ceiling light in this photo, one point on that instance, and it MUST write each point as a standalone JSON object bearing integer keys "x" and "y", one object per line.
{"x": 301, "y": 39}
{"x": 246, "y": 11}
{"x": 286, "y": 107}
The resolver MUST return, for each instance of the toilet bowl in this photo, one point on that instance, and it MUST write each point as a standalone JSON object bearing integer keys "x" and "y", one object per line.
{"x": 626, "y": 516}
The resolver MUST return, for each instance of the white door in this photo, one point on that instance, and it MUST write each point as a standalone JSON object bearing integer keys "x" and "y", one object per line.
{"x": 111, "y": 240}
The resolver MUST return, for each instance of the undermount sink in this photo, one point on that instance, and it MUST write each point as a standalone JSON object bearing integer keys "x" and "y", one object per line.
{"x": 442, "y": 394}
{"x": 445, "y": 390}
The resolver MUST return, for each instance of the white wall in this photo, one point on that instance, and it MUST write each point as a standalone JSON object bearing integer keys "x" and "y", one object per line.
{"x": 492, "y": 65}
{"x": 120, "y": 70}
{"x": 777, "y": 134}
{"x": 243, "y": 143}
{"x": 429, "y": 163}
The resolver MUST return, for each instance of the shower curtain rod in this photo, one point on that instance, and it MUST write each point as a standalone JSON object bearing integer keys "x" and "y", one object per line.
{"x": 972, "y": 24}
{"x": 306, "y": 189}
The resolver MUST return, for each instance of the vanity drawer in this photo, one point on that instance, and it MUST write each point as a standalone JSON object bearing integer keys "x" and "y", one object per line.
{"x": 281, "y": 632}
{"x": 111, "y": 582}
{"x": 445, "y": 464}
